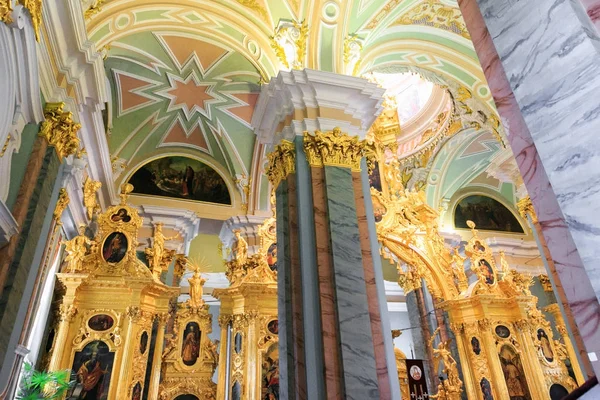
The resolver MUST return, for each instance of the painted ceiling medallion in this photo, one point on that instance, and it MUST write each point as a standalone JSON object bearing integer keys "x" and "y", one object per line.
{"x": 191, "y": 95}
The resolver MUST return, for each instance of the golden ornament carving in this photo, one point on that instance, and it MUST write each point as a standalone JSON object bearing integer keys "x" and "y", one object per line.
{"x": 401, "y": 366}
{"x": 60, "y": 130}
{"x": 546, "y": 284}
{"x": 239, "y": 249}
{"x": 196, "y": 286}
{"x": 452, "y": 386}
{"x": 35, "y": 10}
{"x": 94, "y": 9}
{"x": 435, "y": 14}
{"x": 90, "y": 187}
{"x": 256, "y": 7}
{"x": 352, "y": 49}
{"x": 282, "y": 162}
{"x": 76, "y": 250}
{"x": 333, "y": 148}
{"x": 525, "y": 207}
{"x": 61, "y": 205}
{"x": 295, "y": 34}
{"x": 301, "y": 40}
{"x": 5, "y": 11}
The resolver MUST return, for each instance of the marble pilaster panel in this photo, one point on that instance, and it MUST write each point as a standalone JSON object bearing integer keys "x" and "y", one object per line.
{"x": 543, "y": 68}
{"x": 592, "y": 9}
{"x": 371, "y": 288}
{"x": 284, "y": 303}
{"x": 359, "y": 370}
{"x": 329, "y": 321}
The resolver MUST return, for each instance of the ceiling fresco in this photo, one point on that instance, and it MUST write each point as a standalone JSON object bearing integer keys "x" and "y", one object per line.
{"x": 185, "y": 74}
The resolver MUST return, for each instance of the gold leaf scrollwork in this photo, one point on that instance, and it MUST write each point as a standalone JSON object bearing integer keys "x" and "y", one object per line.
{"x": 60, "y": 130}
{"x": 334, "y": 148}
{"x": 282, "y": 162}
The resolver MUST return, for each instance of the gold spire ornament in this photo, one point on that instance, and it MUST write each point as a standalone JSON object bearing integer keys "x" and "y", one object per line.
{"x": 158, "y": 257}
{"x": 196, "y": 284}
{"x": 90, "y": 187}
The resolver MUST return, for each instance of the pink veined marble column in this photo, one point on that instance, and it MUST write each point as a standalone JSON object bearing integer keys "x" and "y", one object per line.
{"x": 579, "y": 295}
{"x": 592, "y": 7}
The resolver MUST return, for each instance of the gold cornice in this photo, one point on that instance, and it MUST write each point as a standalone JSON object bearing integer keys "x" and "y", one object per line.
{"x": 282, "y": 162}
{"x": 60, "y": 130}
{"x": 334, "y": 148}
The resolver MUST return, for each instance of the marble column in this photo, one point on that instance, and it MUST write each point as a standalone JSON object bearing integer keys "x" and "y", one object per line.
{"x": 332, "y": 337}
{"x": 592, "y": 9}
{"x": 542, "y": 64}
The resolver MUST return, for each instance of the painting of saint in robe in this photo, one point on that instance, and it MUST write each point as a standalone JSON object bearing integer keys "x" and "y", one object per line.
{"x": 120, "y": 216}
{"x": 545, "y": 345}
{"x": 514, "y": 374}
{"x": 115, "y": 247}
{"x": 137, "y": 392}
{"x": 487, "y": 271}
{"x": 486, "y": 389}
{"x": 92, "y": 368}
{"x": 181, "y": 178}
{"x": 190, "y": 349}
{"x": 270, "y": 374}
{"x": 272, "y": 257}
{"x": 487, "y": 214}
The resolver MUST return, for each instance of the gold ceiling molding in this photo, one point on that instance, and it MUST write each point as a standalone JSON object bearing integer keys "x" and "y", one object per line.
{"x": 433, "y": 13}
{"x": 333, "y": 148}
{"x": 294, "y": 34}
{"x": 525, "y": 207}
{"x": 282, "y": 162}
{"x": 94, "y": 9}
{"x": 60, "y": 130}
{"x": 256, "y": 7}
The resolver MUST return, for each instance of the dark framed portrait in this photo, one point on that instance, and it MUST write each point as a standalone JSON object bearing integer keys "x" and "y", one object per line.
{"x": 502, "y": 331}
{"x": 115, "y": 247}
{"x": 486, "y": 389}
{"x": 270, "y": 373}
{"x": 143, "y": 342}
{"x": 545, "y": 345}
{"x": 486, "y": 213}
{"x": 237, "y": 343}
{"x": 487, "y": 271}
{"x": 91, "y": 370}
{"x": 101, "y": 322}
{"x": 273, "y": 327}
{"x": 190, "y": 348}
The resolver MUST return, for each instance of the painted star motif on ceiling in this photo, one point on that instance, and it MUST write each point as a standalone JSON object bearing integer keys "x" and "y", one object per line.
{"x": 191, "y": 95}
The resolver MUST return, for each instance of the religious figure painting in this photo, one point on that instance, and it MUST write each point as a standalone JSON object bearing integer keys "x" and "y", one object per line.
{"x": 100, "y": 322}
{"x": 273, "y": 327}
{"x": 115, "y": 247}
{"x": 190, "y": 349}
{"x": 475, "y": 345}
{"x": 487, "y": 271}
{"x": 514, "y": 374}
{"x": 272, "y": 257}
{"x": 237, "y": 344}
{"x": 502, "y": 331}
{"x": 143, "y": 342}
{"x": 375, "y": 178}
{"x": 91, "y": 370}
{"x": 121, "y": 216}
{"x": 270, "y": 374}
{"x": 136, "y": 393}
{"x": 182, "y": 178}
{"x": 486, "y": 389}
{"x": 487, "y": 214}
{"x": 545, "y": 345}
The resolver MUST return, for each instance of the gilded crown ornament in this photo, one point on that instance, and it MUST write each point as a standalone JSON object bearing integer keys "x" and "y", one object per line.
{"x": 334, "y": 148}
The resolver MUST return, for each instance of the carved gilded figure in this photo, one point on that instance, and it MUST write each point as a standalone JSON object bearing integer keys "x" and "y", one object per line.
{"x": 239, "y": 248}
{"x": 158, "y": 255}
{"x": 90, "y": 187}
{"x": 196, "y": 283}
{"x": 76, "y": 249}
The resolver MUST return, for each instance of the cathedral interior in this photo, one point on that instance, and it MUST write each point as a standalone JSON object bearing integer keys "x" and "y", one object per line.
{"x": 299, "y": 199}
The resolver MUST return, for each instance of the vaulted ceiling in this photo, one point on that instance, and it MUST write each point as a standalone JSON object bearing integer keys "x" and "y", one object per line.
{"x": 185, "y": 74}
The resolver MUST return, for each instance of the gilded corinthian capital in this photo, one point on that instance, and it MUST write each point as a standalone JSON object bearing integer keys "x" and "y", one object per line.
{"x": 333, "y": 148}
{"x": 60, "y": 130}
{"x": 282, "y": 162}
